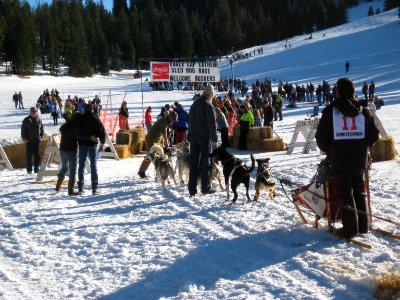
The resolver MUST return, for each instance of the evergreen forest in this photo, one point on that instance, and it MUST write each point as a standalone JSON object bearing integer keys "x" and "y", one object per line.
{"x": 88, "y": 39}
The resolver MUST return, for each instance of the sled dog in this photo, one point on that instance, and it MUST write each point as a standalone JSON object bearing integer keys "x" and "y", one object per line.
{"x": 182, "y": 160}
{"x": 234, "y": 169}
{"x": 264, "y": 179}
{"x": 162, "y": 164}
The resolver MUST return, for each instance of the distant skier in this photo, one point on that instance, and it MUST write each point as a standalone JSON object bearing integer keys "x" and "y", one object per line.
{"x": 347, "y": 67}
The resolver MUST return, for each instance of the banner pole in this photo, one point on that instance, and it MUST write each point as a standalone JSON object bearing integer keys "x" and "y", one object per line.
{"x": 141, "y": 88}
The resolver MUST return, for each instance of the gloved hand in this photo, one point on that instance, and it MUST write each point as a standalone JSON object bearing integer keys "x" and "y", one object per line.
{"x": 214, "y": 145}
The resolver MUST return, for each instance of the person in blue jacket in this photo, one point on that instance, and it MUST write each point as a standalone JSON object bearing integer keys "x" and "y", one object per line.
{"x": 181, "y": 126}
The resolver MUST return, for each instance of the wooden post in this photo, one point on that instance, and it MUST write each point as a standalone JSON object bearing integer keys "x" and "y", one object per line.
{"x": 4, "y": 159}
{"x": 307, "y": 128}
{"x": 113, "y": 153}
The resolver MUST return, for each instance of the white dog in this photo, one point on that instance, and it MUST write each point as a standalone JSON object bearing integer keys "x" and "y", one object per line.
{"x": 182, "y": 160}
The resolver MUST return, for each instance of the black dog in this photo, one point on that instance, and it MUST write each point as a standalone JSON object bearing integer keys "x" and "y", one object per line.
{"x": 234, "y": 168}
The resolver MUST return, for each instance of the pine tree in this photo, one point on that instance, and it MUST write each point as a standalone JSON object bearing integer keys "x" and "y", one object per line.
{"x": 390, "y": 4}
{"x": 184, "y": 39}
{"x": 220, "y": 26}
{"x": 97, "y": 46}
{"x": 308, "y": 20}
{"x": 377, "y": 11}
{"x": 167, "y": 35}
{"x": 102, "y": 53}
{"x": 23, "y": 42}
{"x": 122, "y": 37}
{"x": 370, "y": 11}
{"x": 342, "y": 12}
{"x": 115, "y": 55}
{"x": 320, "y": 14}
{"x": 2, "y": 34}
{"x": 50, "y": 45}
{"x": 118, "y": 5}
{"x": 76, "y": 59}
{"x": 144, "y": 44}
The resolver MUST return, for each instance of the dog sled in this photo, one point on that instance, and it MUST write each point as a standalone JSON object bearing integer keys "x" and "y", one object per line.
{"x": 319, "y": 198}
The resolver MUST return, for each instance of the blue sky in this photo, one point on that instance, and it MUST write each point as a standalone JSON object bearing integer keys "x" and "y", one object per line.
{"x": 107, "y": 3}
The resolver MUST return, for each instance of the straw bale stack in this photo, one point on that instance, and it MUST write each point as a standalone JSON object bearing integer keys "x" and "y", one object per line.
{"x": 234, "y": 142}
{"x": 123, "y": 151}
{"x": 265, "y": 133}
{"x": 16, "y": 153}
{"x": 124, "y": 138}
{"x": 384, "y": 149}
{"x": 271, "y": 145}
{"x": 137, "y": 142}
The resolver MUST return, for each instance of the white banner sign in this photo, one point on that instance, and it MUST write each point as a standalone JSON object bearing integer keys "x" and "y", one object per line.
{"x": 185, "y": 71}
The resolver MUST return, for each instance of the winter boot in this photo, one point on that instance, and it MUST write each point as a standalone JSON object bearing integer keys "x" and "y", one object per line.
{"x": 60, "y": 181}
{"x": 71, "y": 191}
{"x": 143, "y": 167}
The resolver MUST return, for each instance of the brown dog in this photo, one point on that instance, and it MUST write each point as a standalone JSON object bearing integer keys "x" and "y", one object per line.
{"x": 264, "y": 180}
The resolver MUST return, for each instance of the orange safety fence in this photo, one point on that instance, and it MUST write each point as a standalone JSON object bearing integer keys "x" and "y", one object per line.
{"x": 114, "y": 124}
{"x": 107, "y": 118}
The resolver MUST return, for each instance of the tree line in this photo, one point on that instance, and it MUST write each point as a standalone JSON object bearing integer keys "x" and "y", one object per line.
{"x": 88, "y": 39}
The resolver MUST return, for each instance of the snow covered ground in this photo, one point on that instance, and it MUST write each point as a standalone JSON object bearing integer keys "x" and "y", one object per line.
{"x": 139, "y": 241}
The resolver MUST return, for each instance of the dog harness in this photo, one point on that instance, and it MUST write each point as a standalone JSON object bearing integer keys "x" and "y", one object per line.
{"x": 265, "y": 173}
{"x": 236, "y": 164}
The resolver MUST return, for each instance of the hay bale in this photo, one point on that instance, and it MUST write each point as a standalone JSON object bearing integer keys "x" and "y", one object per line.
{"x": 387, "y": 286}
{"x": 253, "y": 134}
{"x": 234, "y": 142}
{"x": 265, "y": 133}
{"x": 137, "y": 140}
{"x": 384, "y": 149}
{"x": 124, "y": 138}
{"x": 271, "y": 145}
{"x": 16, "y": 153}
{"x": 123, "y": 151}
{"x": 236, "y": 131}
{"x": 252, "y": 144}
{"x": 138, "y": 132}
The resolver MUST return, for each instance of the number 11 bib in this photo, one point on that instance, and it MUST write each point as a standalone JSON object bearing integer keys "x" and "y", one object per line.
{"x": 348, "y": 128}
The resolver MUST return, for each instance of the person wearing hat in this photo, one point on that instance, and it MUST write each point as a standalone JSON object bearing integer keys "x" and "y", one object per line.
{"x": 32, "y": 134}
{"x": 201, "y": 133}
{"x": 88, "y": 124}
{"x": 345, "y": 132}
{"x": 157, "y": 131}
{"x": 148, "y": 120}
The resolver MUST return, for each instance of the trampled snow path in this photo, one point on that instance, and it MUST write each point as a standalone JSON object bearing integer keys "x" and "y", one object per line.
{"x": 142, "y": 242}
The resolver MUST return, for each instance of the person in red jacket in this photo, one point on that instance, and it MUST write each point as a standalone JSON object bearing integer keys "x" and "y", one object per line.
{"x": 148, "y": 121}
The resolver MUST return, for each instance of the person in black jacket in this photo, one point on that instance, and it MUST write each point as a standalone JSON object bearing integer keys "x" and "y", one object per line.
{"x": 89, "y": 125}
{"x": 32, "y": 134}
{"x": 68, "y": 153}
{"x": 268, "y": 114}
{"x": 202, "y": 134}
{"x": 345, "y": 132}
